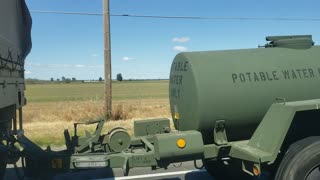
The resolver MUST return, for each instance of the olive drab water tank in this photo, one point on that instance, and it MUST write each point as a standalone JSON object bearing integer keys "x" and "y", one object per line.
{"x": 238, "y": 86}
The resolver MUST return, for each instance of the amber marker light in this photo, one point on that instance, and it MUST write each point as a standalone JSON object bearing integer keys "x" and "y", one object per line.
{"x": 181, "y": 143}
{"x": 256, "y": 171}
{"x": 176, "y": 116}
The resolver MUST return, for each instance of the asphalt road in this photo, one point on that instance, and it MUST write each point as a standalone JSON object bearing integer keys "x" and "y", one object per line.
{"x": 184, "y": 171}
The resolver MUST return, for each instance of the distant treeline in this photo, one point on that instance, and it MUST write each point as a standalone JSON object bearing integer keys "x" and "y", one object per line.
{"x": 41, "y": 81}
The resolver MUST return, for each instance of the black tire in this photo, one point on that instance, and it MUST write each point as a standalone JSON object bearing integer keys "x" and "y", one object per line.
{"x": 3, "y": 161}
{"x": 219, "y": 171}
{"x": 3, "y": 165}
{"x": 301, "y": 158}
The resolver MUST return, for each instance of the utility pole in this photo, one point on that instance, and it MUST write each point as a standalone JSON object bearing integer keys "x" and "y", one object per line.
{"x": 107, "y": 60}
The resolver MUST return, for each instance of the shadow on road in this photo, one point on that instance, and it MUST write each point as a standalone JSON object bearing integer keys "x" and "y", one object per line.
{"x": 107, "y": 173}
{"x": 86, "y": 174}
{"x": 11, "y": 174}
{"x": 197, "y": 175}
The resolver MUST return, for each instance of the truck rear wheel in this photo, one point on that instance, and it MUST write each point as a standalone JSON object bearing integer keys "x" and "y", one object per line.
{"x": 3, "y": 165}
{"x": 301, "y": 161}
{"x": 2, "y": 170}
{"x": 3, "y": 161}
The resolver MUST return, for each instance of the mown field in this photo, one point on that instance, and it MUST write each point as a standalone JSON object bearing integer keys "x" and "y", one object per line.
{"x": 53, "y": 107}
{"x": 57, "y": 92}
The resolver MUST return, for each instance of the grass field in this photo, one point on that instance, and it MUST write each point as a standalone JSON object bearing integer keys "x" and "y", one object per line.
{"x": 54, "y": 107}
{"x": 56, "y": 92}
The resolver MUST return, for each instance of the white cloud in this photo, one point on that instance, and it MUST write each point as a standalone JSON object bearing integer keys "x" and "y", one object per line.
{"x": 96, "y": 66}
{"x": 79, "y": 66}
{"x": 181, "y": 39}
{"x": 94, "y": 55}
{"x": 28, "y": 72}
{"x": 126, "y": 58}
{"x": 33, "y": 64}
{"x": 180, "y": 48}
{"x": 57, "y": 65}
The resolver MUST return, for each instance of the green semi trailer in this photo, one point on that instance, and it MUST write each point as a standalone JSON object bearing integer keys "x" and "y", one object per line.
{"x": 244, "y": 113}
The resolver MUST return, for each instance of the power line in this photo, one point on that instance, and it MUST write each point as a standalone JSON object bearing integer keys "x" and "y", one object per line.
{"x": 67, "y": 13}
{"x": 176, "y": 17}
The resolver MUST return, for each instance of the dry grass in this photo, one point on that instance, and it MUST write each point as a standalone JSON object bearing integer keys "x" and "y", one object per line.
{"x": 45, "y": 122}
{"x": 88, "y": 110}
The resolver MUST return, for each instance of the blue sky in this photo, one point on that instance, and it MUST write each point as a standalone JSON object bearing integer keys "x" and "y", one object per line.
{"x": 72, "y": 45}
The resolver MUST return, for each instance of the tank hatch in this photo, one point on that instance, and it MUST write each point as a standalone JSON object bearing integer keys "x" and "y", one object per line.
{"x": 293, "y": 42}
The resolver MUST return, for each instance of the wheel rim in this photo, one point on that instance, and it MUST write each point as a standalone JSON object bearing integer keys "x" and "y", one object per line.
{"x": 314, "y": 173}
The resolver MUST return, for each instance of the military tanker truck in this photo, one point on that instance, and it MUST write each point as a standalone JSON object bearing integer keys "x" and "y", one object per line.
{"x": 244, "y": 113}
